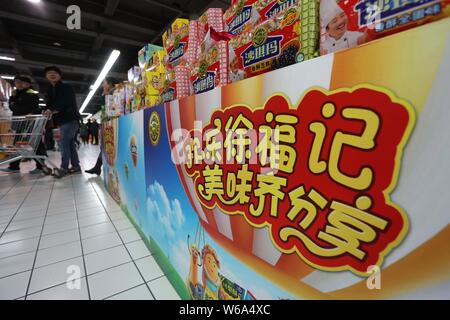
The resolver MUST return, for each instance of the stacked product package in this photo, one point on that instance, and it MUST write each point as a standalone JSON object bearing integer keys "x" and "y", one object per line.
{"x": 211, "y": 67}
{"x": 277, "y": 34}
{"x": 181, "y": 43}
{"x": 152, "y": 76}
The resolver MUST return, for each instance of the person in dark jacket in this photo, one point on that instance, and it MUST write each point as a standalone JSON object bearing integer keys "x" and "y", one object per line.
{"x": 25, "y": 101}
{"x": 61, "y": 102}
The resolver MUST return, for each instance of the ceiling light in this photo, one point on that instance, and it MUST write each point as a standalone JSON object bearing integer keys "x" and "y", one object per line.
{"x": 42, "y": 105}
{"x": 57, "y": 44}
{"x": 7, "y": 77}
{"x": 111, "y": 60}
{"x": 34, "y": 1}
{"x": 41, "y": 99}
{"x": 7, "y": 58}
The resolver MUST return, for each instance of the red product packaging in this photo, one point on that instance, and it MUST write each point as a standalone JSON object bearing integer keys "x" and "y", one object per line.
{"x": 211, "y": 69}
{"x": 184, "y": 49}
{"x": 212, "y": 18}
{"x": 245, "y": 13}
{"x": 348, "y": 23}
{"x": 285, "y": 39}
{"x": 176, "y": 84}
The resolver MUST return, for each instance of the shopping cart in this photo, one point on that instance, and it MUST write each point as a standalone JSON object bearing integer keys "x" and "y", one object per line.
{"x": 20, "y": 138}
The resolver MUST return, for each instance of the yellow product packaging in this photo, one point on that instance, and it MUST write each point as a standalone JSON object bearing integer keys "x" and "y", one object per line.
{"x": 152, "y": 82}
{"x": 178, "y": 27}
{"x": 152, "y": 100}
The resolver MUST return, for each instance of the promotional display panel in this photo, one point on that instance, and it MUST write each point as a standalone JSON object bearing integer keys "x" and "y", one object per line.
{"x": 323, "y": 180}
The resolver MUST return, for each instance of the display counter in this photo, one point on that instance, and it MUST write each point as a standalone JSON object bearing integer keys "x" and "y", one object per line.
{"x": 327, "y": 179}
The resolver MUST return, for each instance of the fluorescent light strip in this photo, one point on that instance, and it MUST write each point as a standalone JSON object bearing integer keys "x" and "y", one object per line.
{"x": 8, "y": 77}
{"x": 111, "y": 60}
{"x": 7, "y": 58}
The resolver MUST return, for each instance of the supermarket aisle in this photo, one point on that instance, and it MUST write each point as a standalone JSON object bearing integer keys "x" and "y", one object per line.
{"x": 68, "y": 239}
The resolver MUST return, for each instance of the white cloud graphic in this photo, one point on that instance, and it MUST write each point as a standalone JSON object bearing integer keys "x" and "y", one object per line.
{"x": 167, "y": 212}
{"x": 180, "y": 257}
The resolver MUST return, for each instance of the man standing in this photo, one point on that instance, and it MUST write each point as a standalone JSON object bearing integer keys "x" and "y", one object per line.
{"x": 62, "y": 103}
{"x": 25, "y": 101}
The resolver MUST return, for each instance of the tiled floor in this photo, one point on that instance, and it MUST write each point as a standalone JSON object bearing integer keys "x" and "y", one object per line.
{"x": 68, "y": 239}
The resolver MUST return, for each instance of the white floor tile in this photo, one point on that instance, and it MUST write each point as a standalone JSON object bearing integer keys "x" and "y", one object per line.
{"x": 56, "y": 239}
{"x": 16, "y": 264}
{"x": 90, "y": 212}
{"x": 15, "y": 286}
{"x": 20, "y": 234}
{"x": 63, "y": 292}
{"x": 18, "y": 247}
{"x": 24, "y": 224}
{"x": 55, "y": 227}
{"x": 138, "y": 249}
{"x": 163, "y": 290}
{"x": 117, "y": 215}
{"x": 97, "y": 229}
{"x": 123, "y": 224}
{"x": 101, "y": 242}
{"x": 129, "y": 235}
{"x": 57, "y": 254}
{"x": 149, "y": 268}
{"x": 107, "y": 258}
{"x": 91, "y": 220}
{"x": 55, "y": 274}
{"x": 60, "y": 217}
{"x": 109, "y": 282}
{"x": 138, "y": 293}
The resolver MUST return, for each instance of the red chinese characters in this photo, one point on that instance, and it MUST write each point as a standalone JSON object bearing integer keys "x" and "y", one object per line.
{"x": 319, "y": 174}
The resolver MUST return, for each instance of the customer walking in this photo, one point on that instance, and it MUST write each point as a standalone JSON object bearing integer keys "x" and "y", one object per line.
{"x": 84, "y": 133}
{"x": 62, "y": 103}
{"x": 94, "y": 129}
{"x": 25, "y": 101}
{"x": 89, "y": 127}
{"x": 108, "y": 88}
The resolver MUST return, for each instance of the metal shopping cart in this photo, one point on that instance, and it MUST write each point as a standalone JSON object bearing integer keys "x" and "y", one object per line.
{"x": 20, "y": 138}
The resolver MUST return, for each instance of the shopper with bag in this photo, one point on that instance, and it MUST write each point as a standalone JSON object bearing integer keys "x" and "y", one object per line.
{"x": 25, "y": 101}
{"x": 63, "y": 105}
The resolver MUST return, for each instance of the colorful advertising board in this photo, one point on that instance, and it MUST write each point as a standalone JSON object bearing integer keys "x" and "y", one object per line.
{"x": 323, "y": 180}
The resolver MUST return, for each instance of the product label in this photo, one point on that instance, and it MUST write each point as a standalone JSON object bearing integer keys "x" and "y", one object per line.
{"x": 280, "y": 6}
{"x": 205, "y": 83}
{"x": 371, "y": 10}
{"x": 168, "y": 95}
{"x": 176, "y": 53}
{"x": 254, "y": 54}
{"x": 235, "y": 26}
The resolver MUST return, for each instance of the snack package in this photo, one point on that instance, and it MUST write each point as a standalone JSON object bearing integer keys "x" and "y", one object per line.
{"x": 146, "y": 53}
{"x": 177, "y": 29}
{"x": 133, "y": 73}
{"x": 346, "y": 24}
{"x": 176, "y": 84}
{"x": 185, "y": 46}
{"x": 211, "y": 70}
{"x": 245, "y": 14}
{"x": 109, "y": 103}
{"x": 212, "y": 18}
{"x": 129, "y": 95}
{"x": 156, "y": 62}
{"x": 287, "y": 38}
{"x": 139, "y": 97}
{"x": 119, "y": 100}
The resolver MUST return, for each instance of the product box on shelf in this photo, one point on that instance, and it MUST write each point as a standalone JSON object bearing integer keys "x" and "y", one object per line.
{"x": 287, "y": 38}
{"x": 133, "y": 73}
{"x": 109, "y": 105}
{"x": 176, "y": 84}
{"x": 156, "y": 62}
{"x": 177, "y": 29}
{"x": 245, "y": 13}
{"x": 346, "y": 24}
{"x": 145, "y": 54}
{"x": 119, "y": 100}
{"x": 139, "y": 97}
{"x": 211, "y": 69}
{"x": 211, "y": 18}
{"x": 185, "y": 46}
{"x": 129, "y": 95}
